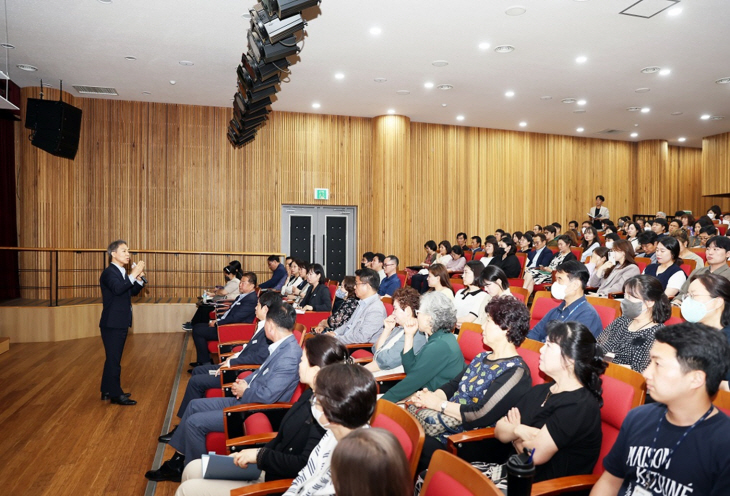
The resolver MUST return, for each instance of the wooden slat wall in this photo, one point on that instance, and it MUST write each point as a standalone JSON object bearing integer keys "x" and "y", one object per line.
{"x": 164, "y": 177}
{"x": 716, "y": 165}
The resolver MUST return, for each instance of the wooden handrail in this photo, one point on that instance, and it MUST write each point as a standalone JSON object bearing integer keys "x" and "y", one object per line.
{"x": 154, "y": 252}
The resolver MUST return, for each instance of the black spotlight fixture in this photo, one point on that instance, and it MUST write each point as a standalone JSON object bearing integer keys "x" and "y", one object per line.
{"x": 266, "y": 52}
{"x": 261, "y": 71}
{"x": 272, "y": 29}
{"x": 246, "y": 82}
{"x": 287, "y": 8}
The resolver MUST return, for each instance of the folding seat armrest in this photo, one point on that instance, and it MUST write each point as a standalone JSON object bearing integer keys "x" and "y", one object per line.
{"x": 243, "y": 442}
{"x": 234, "y": 416}
{"x": 454, "y": 441}
{"x": 264, "y": 488}
{"x": 359, "y": 346}
{"x": 229, "y": 374}
{"x": 562, "y": 485}
{"x": 227, "y": 347}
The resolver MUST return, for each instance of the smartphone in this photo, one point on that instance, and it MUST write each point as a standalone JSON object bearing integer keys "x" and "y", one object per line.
{"x": 611, "y": 257}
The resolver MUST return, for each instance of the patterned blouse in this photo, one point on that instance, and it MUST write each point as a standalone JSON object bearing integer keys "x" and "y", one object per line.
{"x": 630, "y": 347}
{"x": 343, "y": 313}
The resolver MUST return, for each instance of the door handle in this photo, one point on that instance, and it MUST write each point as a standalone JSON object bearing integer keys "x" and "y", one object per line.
{"x": 324, "y": 249}
{"x": 314, "y": 248}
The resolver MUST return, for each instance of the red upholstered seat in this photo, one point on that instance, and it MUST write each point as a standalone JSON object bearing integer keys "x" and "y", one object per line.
{"x": 311, "y": 319}
{"x": 470, "y": 341}
{"x": 402, "y": 278}
{"x": 443, "y": 484}
{"x": 449, "y": 475}
{"x": 674, "y": 320}
{"x": 467, "y": 255}
{"x": 388, "y": 308}
{"x": 387, "y": 423}
{"x": 478, "y": 255}
{"x": 457, "y": 286}
{"x": 532, "y": 359}
{"x": 214, "y": 393}
{"x": 361, "y": 354}
{"x": 216, "y": 442}
{"x": 606, "y": 314}
{"x": 541, "y": 305}
{"x": 258, "y": 423}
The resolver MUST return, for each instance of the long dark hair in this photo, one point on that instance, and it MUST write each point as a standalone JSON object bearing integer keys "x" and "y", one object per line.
{"x": 440, "y": 271}
{"x": 648, "y": 288}
{"x": 323, "y": 350}
{"x": 577, "y": 343}
{"x": 672, "y": 245}
{"x": 585, "y": 244}
{"x": 347, "y": 393}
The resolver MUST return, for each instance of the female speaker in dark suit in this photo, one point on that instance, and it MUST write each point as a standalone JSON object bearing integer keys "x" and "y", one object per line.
{"x": 117, "y": 289}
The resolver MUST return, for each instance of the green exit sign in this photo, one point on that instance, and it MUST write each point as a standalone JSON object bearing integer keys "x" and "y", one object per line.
{"x": 321, "y": 194}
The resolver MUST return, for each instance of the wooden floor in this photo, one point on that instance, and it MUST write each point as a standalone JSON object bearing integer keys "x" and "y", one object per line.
{"x": 58, "y": 438}
{"x": 30, "y": 302}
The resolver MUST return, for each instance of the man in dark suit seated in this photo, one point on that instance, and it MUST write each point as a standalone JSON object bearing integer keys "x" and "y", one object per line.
{"x": 254, "y": 353}
{"x": 541, "y": 255}
{"x": 275, "y": 381}
{"x": 278, "y": 276}
{"x": 242, "y": 311}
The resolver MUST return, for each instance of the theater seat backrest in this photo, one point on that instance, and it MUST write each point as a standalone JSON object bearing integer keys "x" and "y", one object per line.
{"x": 532, "y": 359}
{"x": 391, "y": 425}
{"x": 541, "y": 305}
{"x": 470, "y": 341}
{"x": 443, "y": 484}
{"x": 618, "y": 398}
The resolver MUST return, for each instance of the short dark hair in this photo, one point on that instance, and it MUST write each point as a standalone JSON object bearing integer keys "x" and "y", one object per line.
{"x": 408, "y": 297}
{"x": 661, "y": 222}
{"x": 647, "y": 238}
{"x": 270, "y": 299}
{"x": 458, "y": 250}
{"x": 283, "y": 317}
{"x": 699, "y": 347}
{"x": 430, "y": 244}
{"x": 323, "y": 350}
{"x": 721, "y": 242}
{"x": 557, "y": 225}
{"x": 573, "y": 223}
{"x": 445, "y": 243}
{"x": 394, "y": 258}
{"x": 565, "y": 239}
{"x": 528, "y": 237}
{"x": 500, "y": 231}
{"x": 539, "y": 227}
{"x": 612, "y": 236}
{"x": 575, "y": 270}
{"x": 368, "y": 255}
{"x": 273, "y": 258}
{"x": 319, "y": 270}
{"x": 114, "y": 245}
{"x": 347, "y": 393}
{"x": 379, "y": 256}
{"x": 672, "y": 245}
{"x": 492, "y": 273}
{"x": 511, "y": 315}
{"x": 477, "y": 239}
{"x": 541, "y": 236}
{"x": 711, "y": 230}
{"x": 476, "y": 267}
{"x": 369, "y": 277}
{"x": 510, "y": 244}
{"x": 649, "y": 288}
{"x": 551, "y": 229}
{"x": 600, "y": 197}
{"x": 251, "y": 276}
{"x": 462, "y": 234}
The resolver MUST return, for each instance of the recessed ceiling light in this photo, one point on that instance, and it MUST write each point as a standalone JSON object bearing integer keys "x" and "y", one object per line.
{"x": 375, "y": 31}
{"x": 717, "y": 118}
{"x": 504, "y": 49}
{"x": 579, "y": 111}
{"x": 47, "y": 85}
{"x": 517, "y": 10}
{"x": 172, "y": 81}
{"x": 546, "y": 97}
{"x": 674, "y": 11}
{"x": 677, "y": 113}
{"x": 316, "y": 105}
{"x": 580, "y": 130}
{"x": 26, "y": 67}
{"x": 705, "y": 117}
{"x": 568, "y": 100}
{"x": 724, "y": 80}
{"x": 186, "y": 63}
{"x": 665, "y": 72}
{"x": 391, "y": 111}
{"x": 146, "y": 92}
{"x": 7, "y": 45}
{"x": 582, "y": 59}
{"x": 339, "y": 75}
{"x": 445, "y": 87}
{"x": 523, "y": 124}
{"x": 483, "y": 46}
{"x": 105, "y": 1}
{"x": 633, "y": 109}
{"x": 581, "y": 102}
{"x": 645, "y": 110}
{"x": 443, "y": 104}
{"x": 642, "y": 90}
{"x": 403, "y": 92}
{"x": 509, "y": 94}
{"x": 682, "y": 140}
{"x": 130, "y": 57}
{"x": 459, "y": 117}
{"x": 651, "y": 69}
{"x": 380, "y": 80}
{"x": 428, "y": 85}
{"x": 439, "y": 63}
{"x": 634, "y": 135}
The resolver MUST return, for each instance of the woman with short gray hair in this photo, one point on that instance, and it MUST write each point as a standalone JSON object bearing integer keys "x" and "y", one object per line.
{"x": 440, "y": 360}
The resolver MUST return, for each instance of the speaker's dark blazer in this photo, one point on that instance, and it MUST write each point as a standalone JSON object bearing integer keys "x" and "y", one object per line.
{"x": 116, "y": 294}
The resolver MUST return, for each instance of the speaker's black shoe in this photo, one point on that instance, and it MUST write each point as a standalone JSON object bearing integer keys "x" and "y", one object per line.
{"x": 105, "y": 396}
{"x": 165, "y": 438}
{"x": 123, "y": 400}
{"x": 171, "y": 470}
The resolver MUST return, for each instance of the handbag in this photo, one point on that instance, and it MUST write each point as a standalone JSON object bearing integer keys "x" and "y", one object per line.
{"x": 435, "y": 423}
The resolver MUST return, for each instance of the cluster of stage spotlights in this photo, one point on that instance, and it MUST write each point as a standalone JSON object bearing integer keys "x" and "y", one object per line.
{"x": 272, "y": 37}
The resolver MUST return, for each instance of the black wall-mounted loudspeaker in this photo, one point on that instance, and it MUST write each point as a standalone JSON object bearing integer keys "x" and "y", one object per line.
{"x": 55, "y": 126}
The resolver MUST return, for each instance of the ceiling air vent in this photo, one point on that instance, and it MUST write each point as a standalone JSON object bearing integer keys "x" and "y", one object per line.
{"x": 95, "y": 90}
{"x": 611, "y": 131}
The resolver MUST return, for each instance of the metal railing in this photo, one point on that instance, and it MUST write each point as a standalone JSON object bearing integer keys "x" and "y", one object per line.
{"x": 62, "y": 274}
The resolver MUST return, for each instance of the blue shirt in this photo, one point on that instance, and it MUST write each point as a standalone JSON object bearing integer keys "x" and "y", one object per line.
{"x": 278, "y": 278}
{"x": 389, "y": 285}
{"x": 578, "y": 311}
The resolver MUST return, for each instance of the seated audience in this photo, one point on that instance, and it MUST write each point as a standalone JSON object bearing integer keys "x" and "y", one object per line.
{"x": 598, "y": 258}
{"x": 632, "y": 235}
{"x": 387, "y": 351}
{"x": 438, "y": 281}
{"x": 644, "y": 310}
{"x": 561, "y": 420}
{"x": 573, "y": 226}
{"x": 366, "y": 322}
{"x": 278, "y": 276}
{"x": 688, "y": 361}
{"x": 541, "y": 275}
{"x": 715, "y": 213}
{"x": 241, "y": 311}
{"x": 317, "y": 297}
{"x": 298, "y": 434}
{"x": 526, "y": 243}
{"x": 674, "y": 225}
{"x": 340, "y": 316}
{"x": 705, "y": 234}
{"x": 509, "y": 263}
{"x": 490, "y": 385}
{"x": 430, "y": 248}
{"x": 294, "y": 279}
{"x": 499, "y": 234}
{"x": 684, "y": 252}
{"x": 458, "y": 260}
{"x": 660, "y": 227}
{"x": 718, "y": 249}
{"x": 443, "y": 257}
{"x": 391, "y": 282}
{"x": 470, "y": 299}
{"x": 570, "y": 283}
{"x": 461, "y": 241}
{"x": 668, "y": 267}
{"x": 370, "y": 462}
{"x": 476, "y": 245}
{"x": 440, "y": 359}
{"x": 495, "y": 284}
{"x": 367, "y": 260}
{"x": 537, "y": 229}
{"x": 610, "y": 276}
{"x": 642, "y": 226}
{"x": 516, "y": 236}
{"x": 275, "y": 380}
{"x": 688, "y": 223}
{"x": 232, "y": 273}
{"x": 344, "y": 400}
{"x": 492, "y": 252}
{"x": 611, "y": 238}
{"x": 541, "y": 255}
{"x": 550, "y": 234}
{"x": 648, "y": 243}
{"x": 298, "y": 292}
{"x": 377, "y": 265}
{"x": 590, "y": 242}
{"x": 558, "y": 227}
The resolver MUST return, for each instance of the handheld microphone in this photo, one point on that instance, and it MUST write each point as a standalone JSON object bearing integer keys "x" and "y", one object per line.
{"x": 144, "y": 279}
